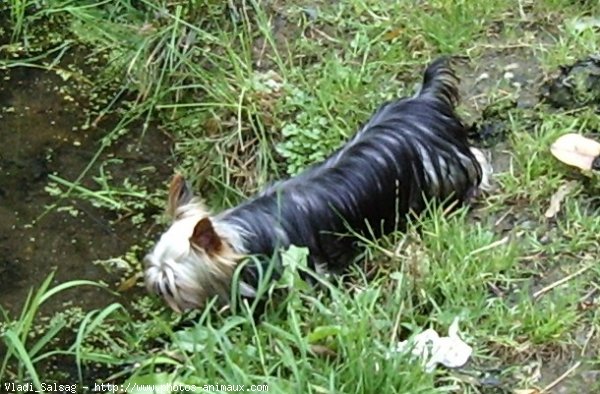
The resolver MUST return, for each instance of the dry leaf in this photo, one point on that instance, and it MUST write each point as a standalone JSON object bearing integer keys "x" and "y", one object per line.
{"x": 390, "y": 35}
{"x": 128, "y": 283}
{"x": 527, "y": 391}
{"x": 557, "y": 198}
{"x": 576, "y": 150}
{"x": 322, "y": 351}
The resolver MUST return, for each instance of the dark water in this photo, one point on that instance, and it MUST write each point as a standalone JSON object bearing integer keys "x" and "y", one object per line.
{"x": 40, "y": 134}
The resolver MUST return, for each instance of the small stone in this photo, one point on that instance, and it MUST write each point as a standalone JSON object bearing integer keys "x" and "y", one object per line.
{"x": 482, "y": 77}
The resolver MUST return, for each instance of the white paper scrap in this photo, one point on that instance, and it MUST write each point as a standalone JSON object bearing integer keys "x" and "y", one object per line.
{"x": 450, "y": 351}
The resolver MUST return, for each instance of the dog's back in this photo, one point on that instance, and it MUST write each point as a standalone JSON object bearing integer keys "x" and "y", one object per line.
{"x": 412, "y": 150}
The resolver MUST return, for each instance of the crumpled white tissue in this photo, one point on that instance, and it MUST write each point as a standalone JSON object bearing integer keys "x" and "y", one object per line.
{"x": 450, "y": 351}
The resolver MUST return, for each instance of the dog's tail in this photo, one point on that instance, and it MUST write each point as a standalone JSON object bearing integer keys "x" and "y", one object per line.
{"x": 440, "y": 82}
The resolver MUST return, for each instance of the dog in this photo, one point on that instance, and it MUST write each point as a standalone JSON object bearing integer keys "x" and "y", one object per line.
{"x": 411, "y": 152}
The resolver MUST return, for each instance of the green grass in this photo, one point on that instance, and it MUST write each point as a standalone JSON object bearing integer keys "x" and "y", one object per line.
{"x": 246, "y": 105}
{"x": 17, "y": 334}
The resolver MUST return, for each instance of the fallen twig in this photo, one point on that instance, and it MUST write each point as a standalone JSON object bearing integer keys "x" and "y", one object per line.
{"x": 588, "y": 338}
{"x": 504, "y": 216}
{"x": 488, "y": 247}
{"x": 562, "y": 377}
{"x": 562, "y": 281}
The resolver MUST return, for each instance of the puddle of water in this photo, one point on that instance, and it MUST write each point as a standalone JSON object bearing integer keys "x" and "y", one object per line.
{"x": 40, "y": 135}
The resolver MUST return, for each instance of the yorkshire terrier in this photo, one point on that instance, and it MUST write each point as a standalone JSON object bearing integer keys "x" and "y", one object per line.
{"x": 411, "y": 152}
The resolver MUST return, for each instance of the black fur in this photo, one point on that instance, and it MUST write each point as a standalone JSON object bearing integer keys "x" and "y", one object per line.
{"x": 370, "y": 184}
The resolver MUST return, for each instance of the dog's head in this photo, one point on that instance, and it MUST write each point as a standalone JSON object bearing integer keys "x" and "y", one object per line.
{"x": 195, "y": 258}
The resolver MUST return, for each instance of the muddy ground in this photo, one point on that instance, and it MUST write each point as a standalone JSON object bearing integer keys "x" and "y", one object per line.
{"x": 44, "y": 128}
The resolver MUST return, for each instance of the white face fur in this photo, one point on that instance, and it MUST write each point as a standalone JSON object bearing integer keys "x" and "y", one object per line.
{"x": 172, "y": 269}
{"x": 192, "y": 261}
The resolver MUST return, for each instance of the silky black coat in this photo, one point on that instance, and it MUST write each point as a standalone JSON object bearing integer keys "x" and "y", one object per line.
{"x": 411, "y": 151}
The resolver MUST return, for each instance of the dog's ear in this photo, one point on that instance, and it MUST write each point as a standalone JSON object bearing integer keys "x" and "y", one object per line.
{"x": 205, "y": 237}
{"x": 179, "y": 194}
